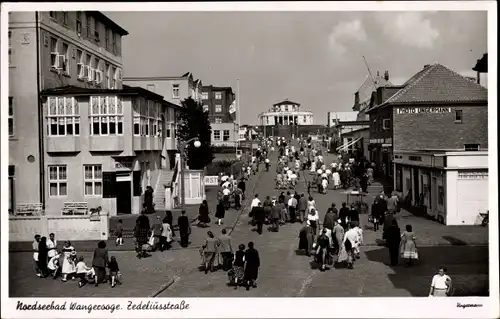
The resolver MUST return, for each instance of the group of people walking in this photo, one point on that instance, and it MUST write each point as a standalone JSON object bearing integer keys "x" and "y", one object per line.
{"x": 53, "y": 261}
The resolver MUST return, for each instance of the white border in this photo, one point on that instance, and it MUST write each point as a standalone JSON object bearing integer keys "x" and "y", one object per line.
{"x": 273, "y": 307}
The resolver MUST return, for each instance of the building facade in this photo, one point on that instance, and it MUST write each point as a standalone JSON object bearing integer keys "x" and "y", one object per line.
{"x": 47, "y": 50}
{"x": 437, "y": 110}
{"x": 286, "y": 113}
{"x": 333, "y": 118}
{"x": 174, "y": 89}
{"x": 219, "y": 102}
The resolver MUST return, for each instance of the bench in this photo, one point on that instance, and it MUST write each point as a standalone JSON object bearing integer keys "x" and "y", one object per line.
{"x": 75, "y": 208}
{"x": 29, "y": 209}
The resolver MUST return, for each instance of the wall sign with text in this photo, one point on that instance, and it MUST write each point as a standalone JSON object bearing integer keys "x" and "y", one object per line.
{"x": 472, "y": 175}
{"x": 211, "y": 180}
{"x": 423, "y": 110}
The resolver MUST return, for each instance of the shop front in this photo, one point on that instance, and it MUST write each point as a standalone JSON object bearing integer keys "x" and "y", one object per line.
{"x": 381, "y": 153}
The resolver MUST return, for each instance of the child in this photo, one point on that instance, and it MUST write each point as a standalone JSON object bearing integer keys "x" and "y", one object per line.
{"x": 114, "y": 271}
{"x": 82, "y": 271}
{"x": 53, "y": 265}
{"x": 119, "y": 233}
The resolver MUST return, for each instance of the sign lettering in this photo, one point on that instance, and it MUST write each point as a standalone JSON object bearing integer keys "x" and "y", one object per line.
{"x": 423, "y": 110}
{"x": 211, "y": 180}
{"x": 472, "y": 175}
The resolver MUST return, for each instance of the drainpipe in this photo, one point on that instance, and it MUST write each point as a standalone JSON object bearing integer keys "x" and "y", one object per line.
{"x": 41, "y": 152}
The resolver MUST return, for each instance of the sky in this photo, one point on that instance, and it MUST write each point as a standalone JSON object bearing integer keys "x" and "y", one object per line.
{"x": 312, "y": 58}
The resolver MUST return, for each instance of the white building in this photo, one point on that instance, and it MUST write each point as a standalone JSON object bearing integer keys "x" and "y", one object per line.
{"x": 453, "y": 186}
{"x": 286, "y": 113}
{"x": 333, "y": 118}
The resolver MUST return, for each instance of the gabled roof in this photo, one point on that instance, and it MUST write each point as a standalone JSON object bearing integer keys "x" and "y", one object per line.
{"x": 482, "y": 64}
{"x": 370, "y": 85}
{"x": 286, "y": 101}
{"x": 436, "y": 84}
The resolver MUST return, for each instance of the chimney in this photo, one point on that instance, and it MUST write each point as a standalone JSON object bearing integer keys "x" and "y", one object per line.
{"x": 426, "y": 66}
{"x": 386, "y": 75}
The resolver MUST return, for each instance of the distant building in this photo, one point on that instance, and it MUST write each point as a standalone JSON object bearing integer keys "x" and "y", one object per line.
{"x": 333, "y": 118}
{"x": 174, "y": 89}
{"x": 48, "y": 50}
{"x": 481, "y": 68}
{"x": 430, "y": 137}
{"x": 219, "y": 102}
{"x": 286, "y": 113}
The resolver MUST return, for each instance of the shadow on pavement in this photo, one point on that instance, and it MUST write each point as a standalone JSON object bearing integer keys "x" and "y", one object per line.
{"x": 454, "y": 241}
{"x": 467, "y": 266}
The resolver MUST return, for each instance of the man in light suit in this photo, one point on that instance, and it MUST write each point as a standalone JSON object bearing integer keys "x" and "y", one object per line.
{"x": 226, "y": 250}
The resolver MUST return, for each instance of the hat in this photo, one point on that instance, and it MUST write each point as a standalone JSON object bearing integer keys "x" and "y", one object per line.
{"x": 274, "y": 198}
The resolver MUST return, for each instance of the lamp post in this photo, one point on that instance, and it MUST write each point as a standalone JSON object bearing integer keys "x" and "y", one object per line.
{"x": 182, "y": 150}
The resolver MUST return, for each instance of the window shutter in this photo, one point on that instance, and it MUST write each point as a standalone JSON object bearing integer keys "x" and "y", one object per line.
{"x": 137, "y": 183}
{"x": 109, "y": 184}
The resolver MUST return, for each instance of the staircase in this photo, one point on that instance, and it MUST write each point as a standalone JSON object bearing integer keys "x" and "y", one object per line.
{"x": 375, "y": 188}
{"x": 165, "y": 179}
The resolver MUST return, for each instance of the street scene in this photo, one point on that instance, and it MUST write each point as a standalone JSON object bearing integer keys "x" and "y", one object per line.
{"x": 132, "y": 178}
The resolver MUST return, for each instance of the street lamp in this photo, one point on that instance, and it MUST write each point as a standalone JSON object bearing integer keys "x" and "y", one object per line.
{"x": 182, "y": 150}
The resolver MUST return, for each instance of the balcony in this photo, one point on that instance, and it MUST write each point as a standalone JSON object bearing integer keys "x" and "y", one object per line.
{"x": 110, "y": 143}
{"x": 63, "y": 144}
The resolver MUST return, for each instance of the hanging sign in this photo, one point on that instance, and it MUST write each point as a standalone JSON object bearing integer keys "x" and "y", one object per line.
{"x": 211, "y": 180}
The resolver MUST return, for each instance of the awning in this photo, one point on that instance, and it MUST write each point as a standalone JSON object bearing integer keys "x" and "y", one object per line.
{"x": 348, "y": 144}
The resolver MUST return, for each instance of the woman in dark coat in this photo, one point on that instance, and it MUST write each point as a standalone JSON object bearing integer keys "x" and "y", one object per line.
{"x": 220, "y": 212}
{"x": 43, "y": 258}
{"x": 393, "y": 238}
{"x": 99, "y": 262}
{"x": 141, "y": 232}
{"x": 252, "y": 264}
{"x": 306, "y": 239}
{"x": 203, "y": 212}
{"x": 148, "y": 199}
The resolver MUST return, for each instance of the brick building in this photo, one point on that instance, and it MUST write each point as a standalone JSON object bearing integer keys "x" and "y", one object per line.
{"x": 437, "y": 113}
{"x": 219, "y": 102}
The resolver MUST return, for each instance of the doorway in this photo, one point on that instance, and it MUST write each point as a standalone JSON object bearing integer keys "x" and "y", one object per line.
{"x": 416, "y": 188}
{"x": 123, "y": 197}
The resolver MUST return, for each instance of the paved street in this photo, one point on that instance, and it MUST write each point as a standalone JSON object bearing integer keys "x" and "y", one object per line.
{"x": 284, "y": 273}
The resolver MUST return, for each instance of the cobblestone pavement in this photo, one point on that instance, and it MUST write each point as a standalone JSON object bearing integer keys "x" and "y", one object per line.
{"x": 284, "y": 273}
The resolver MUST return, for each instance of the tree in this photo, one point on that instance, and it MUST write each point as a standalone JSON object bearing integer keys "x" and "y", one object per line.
{"x": 194, "y": 123}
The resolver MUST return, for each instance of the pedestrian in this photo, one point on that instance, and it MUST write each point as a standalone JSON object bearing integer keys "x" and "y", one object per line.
{"x": 313, "y": 220}
{"x": 311, "y": 203}
{"x": 359, "y": 231}
{"x": 226, "y": 250}
{"x": 237, "y": 198}
{"x": 276, "y": 216}
{"x": 387, "y": 223}
{"x": 306, "y": 239}
{"x": 166, "y": 235}
{"x": 43, "y": 252}
{"x": 35, "y": 254}
{"x": 324, "y": 185}
{"x": 354, "y": 215}
{"x": 237, "y": 273}
{"x": 408, "y": 247}
{"x": 259, "y": 216}
{"x": 344, "y": 215}
{"x": 52, "y": 245}
{"x": 375, "y": 214}
{"x": 392, "y": 241}
{"x": 226, "y": 192}
{"x": 209, "y": 252}
{"x": 141, "y": 233}
{"x": 157, "y": 230}
{"x": 114, "y": 271}
{"x": 220, "y": 212}
{"x": 53, "y": 265}
{"x": 169, "y": 218}
{"x": 392, "y": 203}
{"x": 255, "y": 201}
{"x": 119, "y": 233}
{"x": 184, "y": 229}
{"x": 350, "y": 244}
{"x": 323, "y": 243}
{"x": 329, "y": 224}
{"x": 441, "y": 285}
{"x": 268, "y": 204}
{"x": 68, "y": 264}
{"x": 338, "y": 236}
{"x": 148, "y": 200}
{"x": 292, "y": 205}
{"x": 302, "y": 206}
{"x": 81, "y": 271}
{"x": 252, "y": 264}
{"x": 203, "y": 214}
{"x": 100, "y": 261}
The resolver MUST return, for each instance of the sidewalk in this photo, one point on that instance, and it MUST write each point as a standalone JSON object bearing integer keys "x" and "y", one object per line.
{"x": 197, "y": 236}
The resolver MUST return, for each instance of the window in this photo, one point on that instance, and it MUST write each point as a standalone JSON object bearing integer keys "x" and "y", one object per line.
{"x": 216, "y": 135}
{"x": 58, "y": 181}
{"x": 114, "y": 75}
{"x": 175, "y": 91}
{"x": 92, "y": 180}
{"x": 108, "y": 77}
{"x": 10, "y": 47}
{"x": 106, "y": 38}
{"x": 458, "y": 116}
{"x": 79, "y": 64}
{"x": 65, "y": 17}
{"x": 79, "y": 22}
{"x": 385, "y": 124}
{"x": 96, "y": 31}
{"x": 106, "y": 115}
{"x": 225, "y": 135}
{"x": 53, "y": 15}
{"x": 471, "y": 147}
{"x": 65, "y": 66}
{"x": 218, "y": 120}
{"x": 218, "y": 95}
{"x": 11, "y": 116}
{"x": 113, "y": 37}
{"x": 98, "y": 71}
{"x": 151, "y": 87}
{"x": 54, "y": 53}
{"x": 87, "y": 24}
{"x": 204, "y": 95}
{"x": 205, "y": 108}
{"x": 63, "y": 116}
{"x": 218, "y": 108}
{"x": 147, "y": 118}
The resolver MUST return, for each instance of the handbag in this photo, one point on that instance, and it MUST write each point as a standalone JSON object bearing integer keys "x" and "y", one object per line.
{"x": 151, "y": 240}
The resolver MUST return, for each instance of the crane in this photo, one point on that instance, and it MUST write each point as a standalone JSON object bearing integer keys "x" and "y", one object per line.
{"x": 369, "y": 72}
